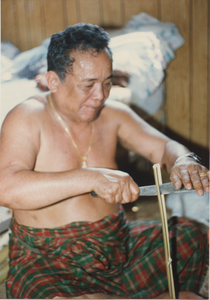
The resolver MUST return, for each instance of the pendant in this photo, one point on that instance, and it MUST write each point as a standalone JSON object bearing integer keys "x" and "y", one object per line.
{"x": 84, "y": 165}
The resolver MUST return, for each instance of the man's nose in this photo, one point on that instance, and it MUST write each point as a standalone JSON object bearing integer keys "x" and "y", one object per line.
{"x": 98, "y": 92}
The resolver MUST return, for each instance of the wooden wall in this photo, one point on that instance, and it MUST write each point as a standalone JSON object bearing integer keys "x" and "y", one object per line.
{"x": 27, "y": 22}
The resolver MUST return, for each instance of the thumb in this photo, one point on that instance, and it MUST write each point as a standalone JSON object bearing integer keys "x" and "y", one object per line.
{"x": 134, "y": 190}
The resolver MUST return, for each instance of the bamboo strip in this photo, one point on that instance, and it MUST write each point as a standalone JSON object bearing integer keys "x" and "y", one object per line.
{"x": 162, "y": 207}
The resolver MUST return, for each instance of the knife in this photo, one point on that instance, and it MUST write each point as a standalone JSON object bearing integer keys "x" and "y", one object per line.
{"x": 151, "y": 190}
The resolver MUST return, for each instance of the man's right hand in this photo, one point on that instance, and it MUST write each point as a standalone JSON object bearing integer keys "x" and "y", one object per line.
{"x": 115, "y": 186}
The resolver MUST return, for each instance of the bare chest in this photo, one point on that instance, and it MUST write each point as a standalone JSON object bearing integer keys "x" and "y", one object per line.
{"x": 58, "y": 152}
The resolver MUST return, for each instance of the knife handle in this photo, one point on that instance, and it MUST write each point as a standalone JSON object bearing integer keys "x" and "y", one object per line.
{"x": 94, "y": 194}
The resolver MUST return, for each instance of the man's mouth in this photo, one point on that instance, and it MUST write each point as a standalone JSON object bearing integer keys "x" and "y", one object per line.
{"x": 93, "y": 108}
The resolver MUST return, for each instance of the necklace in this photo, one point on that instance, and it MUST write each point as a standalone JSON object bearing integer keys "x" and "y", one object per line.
{"x": 83, "y": 157}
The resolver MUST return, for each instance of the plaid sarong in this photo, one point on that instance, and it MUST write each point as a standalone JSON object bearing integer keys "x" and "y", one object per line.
{"x": 113, "y": 256}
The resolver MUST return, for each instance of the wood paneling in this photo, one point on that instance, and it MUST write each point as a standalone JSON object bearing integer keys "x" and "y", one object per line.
{"x": 27, "y": 22}
{"x": 199, "y": 53}
{"x": 36, "y": 22}
{"x": 177, "y": 73}
{"x": 208, "y": 84}
{"x": 23, "y": 24}
{"x": 72, "y": 12}
{"x": 90, "y": 11}
{"x": 9, "y": 29}
{"x": 112, "y": 13}
{"x": 134, "y": 7}
{"x": 54, "y": 19}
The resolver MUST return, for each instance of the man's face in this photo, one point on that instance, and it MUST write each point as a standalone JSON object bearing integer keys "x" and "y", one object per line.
{"x": 85, "y": 89}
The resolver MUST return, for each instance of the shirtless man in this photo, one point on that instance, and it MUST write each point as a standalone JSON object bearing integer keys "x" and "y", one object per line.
{"x": 55, "y": 150}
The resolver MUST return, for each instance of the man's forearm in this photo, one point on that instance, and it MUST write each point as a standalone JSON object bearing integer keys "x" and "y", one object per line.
{"x": 172, "y": 151}
{"x": 33, "y": 190}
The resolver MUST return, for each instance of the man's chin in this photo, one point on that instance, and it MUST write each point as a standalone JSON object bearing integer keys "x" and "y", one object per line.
{"x": 91, "y": 115}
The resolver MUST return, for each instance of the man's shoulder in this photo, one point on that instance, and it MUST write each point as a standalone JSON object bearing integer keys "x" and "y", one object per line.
{"x": 116, "y": 112}
{"x": 30, "y": 106}
{"x": 25, "y": 112}
{"x": 116, "y": 107}
{"x": 33, "y": 104}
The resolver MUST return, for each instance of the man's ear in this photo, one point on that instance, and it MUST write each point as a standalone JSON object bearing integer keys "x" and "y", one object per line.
{"x": 52, "y": 81}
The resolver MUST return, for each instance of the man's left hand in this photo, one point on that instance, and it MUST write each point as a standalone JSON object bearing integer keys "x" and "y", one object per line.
{"x": 190, "y": 174}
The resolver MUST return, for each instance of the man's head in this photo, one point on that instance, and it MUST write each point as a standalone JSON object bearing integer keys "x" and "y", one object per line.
{"x": 81, "y": 37}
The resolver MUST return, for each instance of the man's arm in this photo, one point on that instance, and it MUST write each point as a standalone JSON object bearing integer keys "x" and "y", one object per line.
{"x": 137, "y": 135}
{"x": 20, "y": 186}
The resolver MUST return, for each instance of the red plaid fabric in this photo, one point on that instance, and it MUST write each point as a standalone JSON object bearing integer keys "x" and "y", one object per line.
{"x": 111, "y": 256}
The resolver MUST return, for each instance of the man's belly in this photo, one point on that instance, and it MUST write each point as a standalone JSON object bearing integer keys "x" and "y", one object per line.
{"x": 82, "y": 208}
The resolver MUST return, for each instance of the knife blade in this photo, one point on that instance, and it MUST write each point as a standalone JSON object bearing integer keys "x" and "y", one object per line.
{"x": 165, "y": 188}
{"x": 151, "y": 190}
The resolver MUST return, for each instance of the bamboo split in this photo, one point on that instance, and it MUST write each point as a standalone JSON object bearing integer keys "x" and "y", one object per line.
{"x": 162, "y": 207}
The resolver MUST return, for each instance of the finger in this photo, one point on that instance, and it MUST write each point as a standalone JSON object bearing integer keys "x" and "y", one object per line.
{"x": 186, "y": 178}
{"x": 134, "y": 191}
{"x": 115, "y": 193}
{"x": 110, "y": 193}
{"x": 205, "y": 177}
{"x": 176, "y": 181}
{"x": 197, "y": 182}
{"x": 127, "y": 196}
{"x": 110, "y": 197}
{"x": 118, "y": 198}
{"x": 208, "y": 187}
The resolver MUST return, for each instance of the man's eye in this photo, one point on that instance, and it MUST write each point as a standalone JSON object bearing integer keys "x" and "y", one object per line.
{"x": 108, "y": 83}
{"x": 87, "y": 87}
